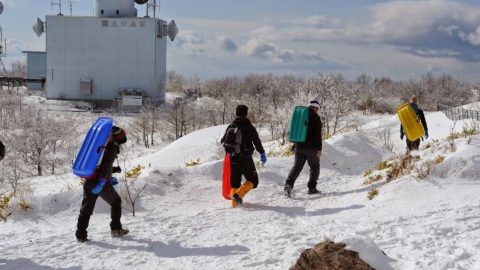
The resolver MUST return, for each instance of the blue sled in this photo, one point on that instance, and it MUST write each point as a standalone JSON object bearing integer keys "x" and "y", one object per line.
{"x": 92, "y": 148}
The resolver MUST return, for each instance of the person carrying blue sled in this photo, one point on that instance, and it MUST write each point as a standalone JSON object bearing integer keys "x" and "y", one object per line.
{"x": 101, "y": 184}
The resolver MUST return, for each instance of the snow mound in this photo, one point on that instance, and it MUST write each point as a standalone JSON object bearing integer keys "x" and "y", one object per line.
{"x": 472, "y": 106}
{"x": 368, "y": 251}
{"x": 203, "y": 144}
{"x": 352, "y": 153}
{"x": 464, "y": 162}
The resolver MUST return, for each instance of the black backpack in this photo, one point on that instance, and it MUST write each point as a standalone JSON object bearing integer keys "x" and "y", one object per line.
{"x": 2, "y": 150}
{"x": 233, "y": 140}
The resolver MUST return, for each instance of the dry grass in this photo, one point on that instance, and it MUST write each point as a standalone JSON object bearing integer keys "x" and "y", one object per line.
{"x": 372, "y": 194}
{"x": 384, "y": 165}
{"x": 367, "y": 172}
{"x": 5, "y": 210}
{"x": 193, "y": 163}
{"x": 438, "y": 160}
{"x": 135, "y": 172}
{"x": 372, "y": 179}
{"x": 285, "y": 151}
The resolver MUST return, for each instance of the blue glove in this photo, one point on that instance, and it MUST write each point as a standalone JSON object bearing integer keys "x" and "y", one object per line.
{"x": 426, "y": 134}
{"x": 263, "y": 157}
{"x": 114, "y": 181}
{"x": 98, "y": 188}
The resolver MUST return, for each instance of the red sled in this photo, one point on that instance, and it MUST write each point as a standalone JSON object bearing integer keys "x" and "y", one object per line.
{"x": 226, "y": 187}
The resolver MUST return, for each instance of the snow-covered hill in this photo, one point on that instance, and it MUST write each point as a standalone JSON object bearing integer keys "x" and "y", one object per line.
{"x": 184, "y": 223}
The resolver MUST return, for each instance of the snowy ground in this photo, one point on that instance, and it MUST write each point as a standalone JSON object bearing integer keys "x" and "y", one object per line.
{"x": 184, "y": 223}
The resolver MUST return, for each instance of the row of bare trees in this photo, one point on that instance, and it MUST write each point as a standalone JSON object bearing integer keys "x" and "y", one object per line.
{"x": 271, "y": 98}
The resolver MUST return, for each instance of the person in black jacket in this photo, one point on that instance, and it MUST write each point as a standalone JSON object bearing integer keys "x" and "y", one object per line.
{"x": 309, "y": 151}
{"x": 101, "y": 184}
{"x": 240, "y": 141}
{"x": 414, "y": 145}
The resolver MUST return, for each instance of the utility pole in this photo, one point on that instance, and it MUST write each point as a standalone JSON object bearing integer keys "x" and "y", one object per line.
{"x": 59, "y": 4}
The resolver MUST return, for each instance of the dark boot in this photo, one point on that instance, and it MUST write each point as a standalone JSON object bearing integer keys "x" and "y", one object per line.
{"x": 81, "y": 237}
{"x": 313, "y": 191}
{"x": 119, "y": 232}
{"x": 287, "y": 189}
{"x": 236, "y": 198}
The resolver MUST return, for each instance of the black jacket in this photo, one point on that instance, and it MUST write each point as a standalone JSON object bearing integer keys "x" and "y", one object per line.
{"x": 249, "y": 136}
{"x": 421, "y": 115}
{"x": 109, "y": 156}
{"x": 314, "y": 133}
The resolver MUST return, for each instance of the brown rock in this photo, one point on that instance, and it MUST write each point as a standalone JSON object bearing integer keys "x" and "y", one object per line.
{"x": 330, "y": 256}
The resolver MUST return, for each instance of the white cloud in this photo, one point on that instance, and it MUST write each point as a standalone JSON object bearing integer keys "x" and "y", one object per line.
{"x": 472, "y": 38}
{"x": 262, "y": 49}
{"x": 259, "y": 48}
{"x": 316, "y": 20}
{"x": 192, "y": 43}
{"x": 424, "y": 28}
{"x": 14, "y": 47}
{"x": 228, "y": 44}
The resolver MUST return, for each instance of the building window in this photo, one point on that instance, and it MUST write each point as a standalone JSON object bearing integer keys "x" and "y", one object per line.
{"x": 101, "y": 12}
{"x": 118, "y": 12}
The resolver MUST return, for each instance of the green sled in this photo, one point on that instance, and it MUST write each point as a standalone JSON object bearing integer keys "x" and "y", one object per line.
{"x": 299, "y": 124}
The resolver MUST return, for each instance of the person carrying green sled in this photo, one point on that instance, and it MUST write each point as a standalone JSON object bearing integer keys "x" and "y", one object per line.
{"x": 414, "y": 145}
{"x": 240, "y": 141}
{"x": 308, "y": 151}
{"x": 101, "y": 184}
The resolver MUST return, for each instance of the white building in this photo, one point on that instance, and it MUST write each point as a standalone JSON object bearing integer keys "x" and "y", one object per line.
{"x": 114, "y": 56}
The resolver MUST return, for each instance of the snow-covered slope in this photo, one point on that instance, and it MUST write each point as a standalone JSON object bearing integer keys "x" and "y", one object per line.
{"x": 184, "y": 223}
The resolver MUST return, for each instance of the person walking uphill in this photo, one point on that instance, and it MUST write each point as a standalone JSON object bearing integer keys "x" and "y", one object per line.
{"x": 101, "y": 184}
{"x": 240, "y": 141}
{"x": 308, "y": 151}
{"x": 414, "y": 145}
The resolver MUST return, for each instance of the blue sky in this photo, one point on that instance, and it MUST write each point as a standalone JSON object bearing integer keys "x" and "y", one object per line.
{"x": 399, "y": 39}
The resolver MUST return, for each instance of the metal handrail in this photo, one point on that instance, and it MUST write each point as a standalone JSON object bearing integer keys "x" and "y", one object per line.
{"x": 455, "y": 113}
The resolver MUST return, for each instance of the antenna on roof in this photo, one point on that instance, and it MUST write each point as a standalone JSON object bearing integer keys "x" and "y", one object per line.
{"x": 3, "y": 48}
{"x": 59, "y": 4}
{"x": 153, "y": 5}
{"x": 70, "y": 2}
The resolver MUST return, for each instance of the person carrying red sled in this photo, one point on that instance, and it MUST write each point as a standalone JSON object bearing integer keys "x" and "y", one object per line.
{"x": 240, "y": 141}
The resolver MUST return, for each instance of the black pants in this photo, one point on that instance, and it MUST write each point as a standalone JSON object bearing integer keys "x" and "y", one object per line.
{"x": 302, "y": 156}
{"x": 109, "y": 195}
{"x": 413, "y": 145}
{"x": 242, "y": 164}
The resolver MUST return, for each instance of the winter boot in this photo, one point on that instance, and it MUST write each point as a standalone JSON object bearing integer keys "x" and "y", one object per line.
{"x": 237, "y": 200}
{"x": 82, "y": 239}
{"x": 81, "y": 236}
{"x": 288, "y": 190}
{"x": 119, "y": 232}
{"x": 244, "y": 189}
{"x": 313, "y": 191}
{"x": 232, "y": 192}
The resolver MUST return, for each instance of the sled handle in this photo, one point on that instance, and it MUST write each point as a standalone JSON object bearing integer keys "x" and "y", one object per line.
{"x": 99, "y": 149}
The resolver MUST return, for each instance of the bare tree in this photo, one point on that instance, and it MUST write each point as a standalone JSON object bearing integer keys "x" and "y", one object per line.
{"x": 134, "y": 188}
{"x": 18, "y": 69}
{"x": 175, "y": 82}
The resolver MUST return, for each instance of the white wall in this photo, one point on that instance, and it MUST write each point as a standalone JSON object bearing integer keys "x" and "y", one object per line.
{"x": 115, "y": 52}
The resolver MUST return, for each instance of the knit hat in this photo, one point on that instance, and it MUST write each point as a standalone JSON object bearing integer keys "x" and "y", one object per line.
{"x": 314, "y": 104}
{"x": 414, "y": 99}
{"x": 242, "y": 111}
{"x": 119, "y": 135}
